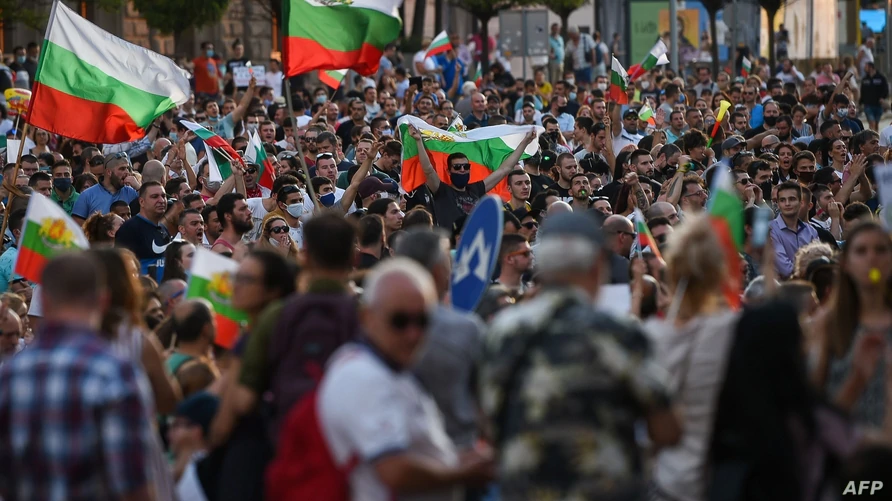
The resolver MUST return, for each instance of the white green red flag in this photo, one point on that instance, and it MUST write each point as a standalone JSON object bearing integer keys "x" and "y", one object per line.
{"x": 332, "y": 78}
{"x": 255, "y": 154}
{"x": 654, "y": 58}
{"x": 485, "y": 147}
{"x": 646, "y": 113}
{"x": 619, "y": 80}
{"x": 212, "y": 277}
{"x": 645, "y": 240}
{"x": 334, "y": 34}
{"x": 726, "y": 216}
{"x": 439, "y": 45}
{"x": 220, "y": 153}
{"x": 47, "y": 232}
{"x": 746, "y": 66}
{"x": 93, "y": 86}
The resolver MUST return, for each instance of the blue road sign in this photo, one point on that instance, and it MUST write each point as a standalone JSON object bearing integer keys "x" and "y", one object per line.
{"x": 477, "y": 253}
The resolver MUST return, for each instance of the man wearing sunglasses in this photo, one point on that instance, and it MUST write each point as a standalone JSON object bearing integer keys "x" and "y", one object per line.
{"x": 529, "y": 223}
{"x": 515, "y": 259}
{"x": 459, "y": 196}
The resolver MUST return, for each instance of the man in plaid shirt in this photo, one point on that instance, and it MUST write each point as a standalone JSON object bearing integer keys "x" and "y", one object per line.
{"x": 70, "y": 413}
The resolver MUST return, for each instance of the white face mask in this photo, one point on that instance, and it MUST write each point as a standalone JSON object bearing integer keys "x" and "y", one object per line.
{"x": 645, "y": 85}
{"x": 571, "y": 81}
{"x": 274, "y": 242}
{"x": 601, "y": 86}
{"x": 295, "y": 210}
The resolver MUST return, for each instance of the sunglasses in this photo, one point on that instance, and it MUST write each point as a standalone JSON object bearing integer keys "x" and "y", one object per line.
{"x": 461, "y": 167}
{"x": 745, "y": 181}
{"x": 251, "y": 170}
{"x": 530, "y": 225}
{"x": 278, "y": 230}
{"x": 98, "y": 160}
{"x": 402, "y": 321}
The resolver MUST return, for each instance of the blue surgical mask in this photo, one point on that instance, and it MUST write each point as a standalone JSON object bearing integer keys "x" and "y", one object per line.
{"x": 267, "y": 102}
{"x": 327, "y": 200}
{"x": 173, "y": 136}
{"x": 321, "y": 98}
{"x": 681, "y": 98}
{"x": 210, "y": 53}
{"x": 387, "y": 132}
{"x": 842, "y": 112}
{"x": 20, "y": 59}
{"x": 572, "y": 96}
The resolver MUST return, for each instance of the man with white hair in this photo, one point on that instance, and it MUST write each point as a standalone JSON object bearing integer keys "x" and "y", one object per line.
{"x": 372, "y": 409}
{"x": 463, "y": 105}
{"x": 561, "y": 380}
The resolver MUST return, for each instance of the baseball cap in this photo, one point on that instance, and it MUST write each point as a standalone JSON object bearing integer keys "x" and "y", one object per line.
{"x": 524, "y": 212}
{"x": 732, "y": 142}
{"x": 371, "y": 185}
{"x": 199, "y": 409}
{"x": 630, "y": 113}
{"x": 572, "y": 224}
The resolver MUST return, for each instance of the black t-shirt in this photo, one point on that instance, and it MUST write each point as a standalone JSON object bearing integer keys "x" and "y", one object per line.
{"x": 450, "y": 204}
{"x": 344, "y": 131}
{"x": 366, "y": 261}
{"x": 148, "y": 241}
{"x": 611, "y": 191}
{"x": 231, "y": 65}
{"x": 564, "y": 193}
{"x": 539, "y": 183}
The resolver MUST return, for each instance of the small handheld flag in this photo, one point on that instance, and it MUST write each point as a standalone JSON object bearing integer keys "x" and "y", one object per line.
{"x": 439, "y": 45}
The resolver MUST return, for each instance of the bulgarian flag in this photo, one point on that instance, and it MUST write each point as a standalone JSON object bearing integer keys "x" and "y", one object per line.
{"x": 485, "y": 147}
{"x": 220, "y": 153}
{"x": 255, "y": 154}
{"x": 619, "y": 80}
{"x": 211, "y": 278}
{"x": 48, "y": 231}
{"x": 726, "y": 216}
{"x": 332, "y": 78}
{"x": 646, "y": 113}
{"x": 745, "y": 67}
{"x": 92, "y": 86}
{"x": 655, "y": 57}
{"x": 333, "y": 34}
{"x": 645, "y": 239}
{"x": 439, "y": 45}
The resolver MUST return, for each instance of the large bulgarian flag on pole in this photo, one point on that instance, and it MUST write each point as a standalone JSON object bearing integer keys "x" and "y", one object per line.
{"x": 255, "y": 154}
{"x": 93, "y": 86}
{"x": 485, "y": 147}
{"x": 726, "y": 216}
{"x": 212, "y": 277}
{"x": 48, "y": 231}
{"x": 220, "y": 153}
{"x": 335, "y": 34}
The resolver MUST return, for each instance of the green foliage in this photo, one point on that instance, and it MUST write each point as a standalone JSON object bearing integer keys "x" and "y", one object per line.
{"x": 563, "y": 8}
{"x": 485, "y": 10}
{"x": 176, "y": 16}
{"x": 34, "y": 14}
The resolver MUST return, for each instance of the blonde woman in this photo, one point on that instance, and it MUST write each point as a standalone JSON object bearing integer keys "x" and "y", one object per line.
{"x": 692, "y": 346}
{"x": 276, "y": 237}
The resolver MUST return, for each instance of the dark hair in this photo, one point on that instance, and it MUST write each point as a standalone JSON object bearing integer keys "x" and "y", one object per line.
{"x": 693, "y": 139}
{"x": 173, "y": 265}
{"x": 39, "y": 176}
{"x": 172, "y": 186}
{"x": 329, "y": 241}
{"x": 454, "y": 156}
{"x": 145, "y": 187}
{"x": 790, "y": 186}
{"x": 509, "y": 217}
{"x": 82, "y": 179}
{"x": 418, "y": 216}
{"x": 186, "y": 213}
{"x": 855, "y": 210}
{"x": 191, "y": 197}
{"x": 279, "y": 274}
{"x": 371, "y": 230}
{"x": 97, "y": 226}
{"x": 16, "y": 219}
{"x": 755, "y": 166}
{"x": 73, "y": 279}
{"x": 510, "y": 243}
{"x": 188, "y": 329}
{"x": 226, "y": 205}
{"x": 207, "y": 211}
{"x": 380, "y": 206}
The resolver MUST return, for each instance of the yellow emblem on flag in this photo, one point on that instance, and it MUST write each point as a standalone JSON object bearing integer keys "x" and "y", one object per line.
{"x": 430, "y": 134}
{"x": 56, "y": 234}
{"x": 220, "y": 286}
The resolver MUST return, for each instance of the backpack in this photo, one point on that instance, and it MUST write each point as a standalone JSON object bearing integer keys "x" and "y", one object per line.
{"x": 311, "y": 327}
{"x": 303, "y": 468}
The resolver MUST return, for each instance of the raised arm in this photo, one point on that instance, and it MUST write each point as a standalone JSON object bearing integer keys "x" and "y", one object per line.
{"x": 242, "y": 109}
{"x": 508, "y": 165}
{"x": 358, "y": 177}
{"x": 432, "y": 179}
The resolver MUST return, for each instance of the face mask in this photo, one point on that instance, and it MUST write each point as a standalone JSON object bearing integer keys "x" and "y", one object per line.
{"x": 213, "y": 186}
{"x": 770, "y": 121}
{"x": 806, "y": 177}
{"x": 572, "y": 96}
{"x": 274, "y": 242}
{"x": 62, "y": 183}
{"x": 602, "y": 86}
{"x": 267, "y": 103}
{"x": 681, "y": 98}
{"x": 252, "y": 128}
{"x": 571, "y": 81}
{"x": 459, "y": 180}
{"x": 210, "y": 54}
{"x": 173, "y": 137}
{"x": 842, "y": 112}
{"x": 327, "y": 200}
{"x": 20, "y": 59}
{"x": 295, "y": 210}
{"x": 321, "y": 98}
{"x": 562, "y": 109}
{"x": 644, "y": 85}
{"x": 554, "y": 135}
{"x": 387, "y": 132}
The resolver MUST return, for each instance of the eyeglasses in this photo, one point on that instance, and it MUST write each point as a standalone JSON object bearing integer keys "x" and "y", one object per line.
{"x": 700, "y": 192}
{"x": 278, "y": 230}
{"x": 116, "y": 156}
{"x": 402, "y": 321}
{"x": 309, "y": 139}
{"x": 628, "y": 233}
{"x": 461, "y": 167}
{"x": 530, "y": 225}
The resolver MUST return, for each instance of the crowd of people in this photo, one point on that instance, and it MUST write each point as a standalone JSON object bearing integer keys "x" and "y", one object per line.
{"x": 598, "y": 364}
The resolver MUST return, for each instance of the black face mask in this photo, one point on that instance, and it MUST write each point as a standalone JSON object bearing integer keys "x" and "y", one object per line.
{"x": 784, "y": 139}
{"x": 554, "y": 135}
{"x": 770, "y": 121}
{"x": 806, "y": 177}
{"x": 562, "y": 109}
{"x": 459, "y": 180}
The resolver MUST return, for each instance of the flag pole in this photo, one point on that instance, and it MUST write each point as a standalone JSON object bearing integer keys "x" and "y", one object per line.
{"x": 11, "y": 196}
{"x": 300, "y": 152}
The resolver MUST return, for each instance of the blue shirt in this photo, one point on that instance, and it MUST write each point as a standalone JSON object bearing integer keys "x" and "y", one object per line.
{"x": 449, "y": 71}
{"x": 223, "y": 127}
{"x": 557, "y": 46}
{"x": 7, "y": 264}
{"x": 97, "y": 199}
{"x": 786, "y": 242}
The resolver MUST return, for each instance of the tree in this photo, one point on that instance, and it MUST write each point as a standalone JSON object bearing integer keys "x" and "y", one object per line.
{"x": 771, "y": 7}
{"x": 173, "y": 17}
{"x": 712, "y": 8}
{"x": 483, "y": 11}
{"x": 563, "y": 8}
{"x": 34, "y": 14}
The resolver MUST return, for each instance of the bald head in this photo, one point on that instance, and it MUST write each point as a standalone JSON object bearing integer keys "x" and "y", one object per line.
{"x": 617, "y": 223}
{"x": 661, "y": 209}
{"x": 159, "y": 145}
{"x": 559, "y": 207}
{"x": 193, "y": 320}
{"x": 171, "y": 293}
{"x": 770, "y": 141}
{"x": 622, "y": 231}
{"x": 153, "y": 170}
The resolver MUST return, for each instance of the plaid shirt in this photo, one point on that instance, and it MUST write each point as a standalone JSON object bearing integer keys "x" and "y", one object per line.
{"x": 70, "y": 420}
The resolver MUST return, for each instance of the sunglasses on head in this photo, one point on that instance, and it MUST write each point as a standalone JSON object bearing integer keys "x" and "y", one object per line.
{"x": 278, "y": 230}
{"x": 402, "y": 320}
{"x": 324, "y": 156}
{"x": 120, "y": 154}
{"x": 461, "y": 167}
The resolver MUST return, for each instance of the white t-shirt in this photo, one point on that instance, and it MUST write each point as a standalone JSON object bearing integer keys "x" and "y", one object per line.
{"x": 886, "y": 137}
{"x": 274, "y": 80}
{"x": 429, "y": 63}
{"x": 367, "y": 410}
{"x": 258, "y": 212}
{"x": 624, "y": 139}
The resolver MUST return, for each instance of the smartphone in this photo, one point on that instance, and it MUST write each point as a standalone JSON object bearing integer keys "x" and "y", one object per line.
{"x": 416, "y": 81}
{"x": 760, "y": 227}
